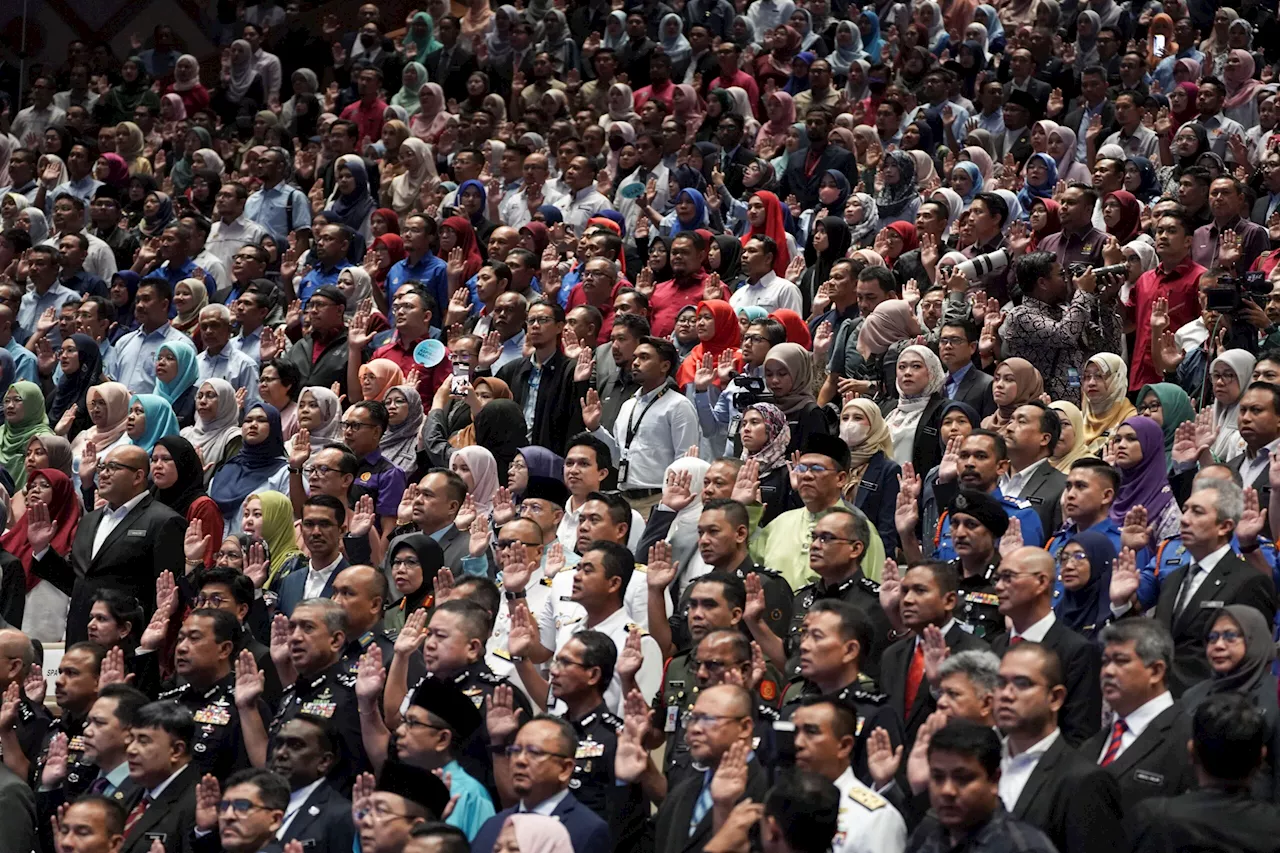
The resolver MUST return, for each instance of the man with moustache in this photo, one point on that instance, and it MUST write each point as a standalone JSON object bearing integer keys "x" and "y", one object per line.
{"x": 317, "y": 814}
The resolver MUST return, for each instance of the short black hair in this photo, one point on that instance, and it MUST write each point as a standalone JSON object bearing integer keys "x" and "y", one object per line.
{"x": 1211, "y": 80}
{"x": 995, "y": 205}
{"x": 483, "y": 593}
{"x": 456, "y": 485}
{"x": 1089, "y": 191}
{"x": 734, "y": 511}
{"x": 1183, "y": 219}
{"x": 944, "y": 574}
{"x": 619, "y": 509}
{"x": 1272, "y": 389}
{"x": 1002, "y": 447}
{"x": 272, "y": 787}
{"x": 129, "y": 700}
{"x": 1049, "y": 423}
{"x": 970, "y": 329}
{"x": 618, "y": 562}
{"x": 598, "y": 651}
{"x": 113, "y": 813}
{"x": 767, "y": 243}
{"x": 450, "y": 838}
{"x": 963, "y": 737}
{"x": 241, "y": 587}
{"x": 168, "y": 716}
{"x": 377, "y": 410}
{"x": 290, "y": 376}
{"x": 1229, "y": 733}
{"x": 604, "y": 456}
{"x": 1100, "y": 468}
{"x": 330, "y": 503}
{"x": 666, "y": 350}
{"x": 731, "y": 586}
{"x": 226, "y": 627}
{"x": 475, "y": 619}
{"x": 882, "y": 276}
{"x": 806, "y": 807}
{"x": 1032, "y": 267}
{"x": 557, "y": 311}
{"x": 501, "y": 271}
{"x": 124, "y": 609}
{"x": 854, "y": 624}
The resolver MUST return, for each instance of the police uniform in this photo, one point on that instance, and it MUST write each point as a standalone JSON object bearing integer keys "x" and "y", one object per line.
{"x": 329, "y": 694}
{"x": 778, "y": 602}
{"x": 385, "y": 642}
{"x": 219, "y": 742}
{"x": 857, "y": 589}
{"x": 1028, "y": 518}
{"x": 623, "y": 807}
{"x": 80, "y": 771}
{"x": 863, "y": 696}
{"x": 978, "y": 608}
{"x": 867, "y": 823}
{"x": 30, "y": 728}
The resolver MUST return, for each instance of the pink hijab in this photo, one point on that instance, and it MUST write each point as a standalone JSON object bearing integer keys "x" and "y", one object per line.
{"x": 1241, "y": 87}
{"x": 980, "y": 158}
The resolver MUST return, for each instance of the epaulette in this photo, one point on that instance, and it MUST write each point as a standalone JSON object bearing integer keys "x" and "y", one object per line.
{"x": 642, "y": 567}
{"x": 346, "y": 680}
{"x": 175, "y": 692}
{"x": 611, "y": 720}
{"x": 491, "y": 677}
{"x": 767, "y": 711}
{"x": 865, "y": 696}
{"x": 643, "y": 632}
{"x": 869, "y": 585}
{"x": 392, "y": 634}
{"x": 867, "y": 798}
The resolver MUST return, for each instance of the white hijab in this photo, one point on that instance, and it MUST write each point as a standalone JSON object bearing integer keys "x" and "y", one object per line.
{"x": 905, "y": 418}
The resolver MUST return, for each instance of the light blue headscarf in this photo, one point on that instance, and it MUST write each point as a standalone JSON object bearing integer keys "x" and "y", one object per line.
{"x": 188, "y": 371}
{"x": 872, "y": 43}
{"x": 975, "y": 174}
{"x": 699, "y": 204}
{"x": 1028, "y": 193}
{"x": 1017, "y": 213}
{"x": 161, "y": 421}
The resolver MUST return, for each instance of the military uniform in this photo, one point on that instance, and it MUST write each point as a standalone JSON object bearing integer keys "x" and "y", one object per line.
{"x": 623, "y": 807}
{"x": 80, "y": 771}
{"x": 977, "y": 608}
{"x": 867, "y": 823}
{"x": 864, "y": 696}
{"x": 33, "y": 722}
{"x": 351, "y": 653}
{"x": 329, "y": 694}
{"x": 778, "y": 602}
{"x": 219, "y": 743}
{"x": 856, "y": 589}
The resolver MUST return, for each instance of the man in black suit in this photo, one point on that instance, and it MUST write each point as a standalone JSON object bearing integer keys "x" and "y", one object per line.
{"x": 406, "y": 796}
{"x": 125, "y": 545}
{"x": 1092, "y": 101}
{"x": 1043, "y": 780}
{"x": 1229, "y": 734}
{"x": 1270, "y": 169}
{"x": 1259, "y": 424}
{"x": 1024, "y": 586}
{"x": 735, "y": 154}
{"x": 257, "y": 800}
{"x": 966, "y": 382}
{"x": 453, "y": 63}
{"x": 1020, "y": 110}
{"x": 555, "y": 415}
{"x": 909, "y": 668}
{"x": 318, "y": 816}
{"x": 1031, "y": 435}
{"x": 163, "y": 804}
{"x": 1192, "y": 595}
{"x": 719, "y": 735}
{"x": 804, "y": 174}
{"x": 1144, "y": 748}
{"x": 1023, "y": 76}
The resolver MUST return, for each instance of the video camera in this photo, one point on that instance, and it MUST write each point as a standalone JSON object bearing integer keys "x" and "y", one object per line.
{"x": 751, "y": 390}
{"x": 1229, "y": 294}
{"x": 1076, "y": 270}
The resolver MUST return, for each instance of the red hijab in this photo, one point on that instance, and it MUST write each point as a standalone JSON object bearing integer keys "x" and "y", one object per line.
{"x": 910, "y": 240}
{"x": 1190, "y": 113}
{"x": 541, "y": 236}
{"x": 797, "y": 330}
{"x": 467, "y": 242}
{"x": 773, "y": 227}
{"x": 1053, "y": 221}
{"x": 390, "y": 217}
{"x": 63, "y": 508}
{"x": 1130, "y": 216}
{"x": 395, "y": 248}
{"x": 728, "y": 336}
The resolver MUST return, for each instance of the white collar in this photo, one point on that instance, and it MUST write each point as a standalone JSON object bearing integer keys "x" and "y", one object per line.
{"x": 1270, "y": 447}
{"x": 1142, "y": 716}
{"x": 125, "y": 508}
{"x": 327, "y": 570}
{"x": 1210, "y": 562}
{"x": 1033, "y": 752}
{"x": 154, "y": 793}
{"x": 547, "y": 806}
{"x": 1036, "y": 631}
{"x": 300, "y": 796}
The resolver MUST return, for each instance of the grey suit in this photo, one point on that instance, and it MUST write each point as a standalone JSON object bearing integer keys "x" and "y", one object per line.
{"x": 1043, "y": 490}
{"x": 1261, "y": 483}
{"x": 454, "y": 543}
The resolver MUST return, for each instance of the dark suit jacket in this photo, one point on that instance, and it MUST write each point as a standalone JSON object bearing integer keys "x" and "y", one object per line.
{"x": 672, "y": 834}
{"x": 170, "y": 817}
{"x": 1154, "y": 765}
{"x": 325, "y": 819}
{"x": 18, "y": 805}
{"x": 145, "y": 543}
{"x": 1081, "y": 715}
{"x": 1259, "y": 214}
{"x": 1044, "y": 492}
{"x": 737, "y": 167}
{"x": 587, "y": 830}
{"x": 1073, "y": 801}
{"x": 926, "y": 449}
{"x": 877, "y": 497}
{"x": 1075, "y": 116}
{"x": 452, "y": 77}
{"x": 894, "y": 667}
{"x": 975, "y": 391}
{"x": 1261, "y": 484}
{"x": 556, "y": 414}
{"x": 455, "y": 545}
{"x": 1210, "y": 820}
{"x": 1021, "y": 149}
{"x": 1232, "y": 581}
{"x": 805, "y": 188}
{"x": 293, "y": 586}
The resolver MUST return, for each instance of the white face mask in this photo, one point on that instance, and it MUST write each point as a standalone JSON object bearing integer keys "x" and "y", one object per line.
{"x": 853, "y": 432}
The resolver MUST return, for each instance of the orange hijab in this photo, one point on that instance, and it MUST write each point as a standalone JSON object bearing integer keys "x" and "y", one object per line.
{"x": 773, "y": 227}
{"x": 727, "y": 336}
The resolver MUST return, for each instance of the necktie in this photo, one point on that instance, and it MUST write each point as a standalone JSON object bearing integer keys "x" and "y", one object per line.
{"x": 700, "y": 808}
{"x": 136, "y": 815}
{"x": 1184, "y": 591}
{"x": 915, "y": 674}
{"x": 99, "y": 785}
{"x": 1113, "y": 748}
{"x": 1013, "y": 641}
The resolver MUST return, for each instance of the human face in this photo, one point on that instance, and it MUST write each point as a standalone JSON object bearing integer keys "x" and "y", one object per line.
{"x": 251, "y": 516}
{"x": 299, "y": 755}
{"x": 1266, "y": 370}
{"x": 198, "y": 656}
{"x": 311, "y": 645}
{"x": 1226, "y": 650}
{"x": 1127, "y": 448}
{"x": 960, "y": 791}
{"x": 246, "y": 829}
{"x": 360, "y": 432}
{"x": 164, "y": 472}
{"x": 834, "y": 550}
{"x": 647, "y": 367}
{"x": 540, "y": 767}
{"x": 923, "y": 602}
{"x": 823, "y": 652}
{"x": 103, "y": 628}
{"x": 1258, "y": 422}
{"x": 76, "y": 687}
{"x": 591, "y": 586}
{"x": 569, "y": 678}
{"x": 448, "y": 649}
{"x": 969, "y": 537}
{"x": 1208, "y": 100}
{"x": 594, "y": 522}
{"x": 753, "y": 431}
{"x": 1224, "y": 199}
{"x": 321, "y": 532}
{"x": 82, "y": 828}
{"x": 1201, "y": 529}
{"x": 817, "y": 747}
{"x": 406, "y": 571}
{"x": 152, "y": 755}
{"x": 136, "y": 423}
{"x": 1074, "y": 568}
{"x": 959, "y": 698}
{"x": 778, "y": 378}
{"x": 714, "y": 726}
{"x": 1023, "y": 433}
{"x": 355, "y": 589}
{"x": 954, "y": 349}
{"x": 913, "y": 372}
{"x": 1025, "y": 702}
{"x": 1095, "y": 383}
{"x": 1226, "y": 385}
{"x": 582, "y": 472}
{"x": 954, "y": 423}
{"x": 542, "y": 329}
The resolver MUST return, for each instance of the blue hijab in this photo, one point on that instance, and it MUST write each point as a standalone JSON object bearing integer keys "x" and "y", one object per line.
{"x": 542, "y": 462}
{"x": 551, "y": 214}
{"x": 975, "y": 174}
{"x": 1090, "y": 606}
{"x": 796, "y": 85}
{"x": 842, "y": 182}
{"x": 1030, "y": 193}
{"x": 188, "y": 371}
{"x": 872, "y": 43}
{"x": 161, "y": 421}
{"x": 478, "y": 220}
{"x": 700, "y": 216}
{"x": 248, "y": 471}
{"x": 1149, "y": 190}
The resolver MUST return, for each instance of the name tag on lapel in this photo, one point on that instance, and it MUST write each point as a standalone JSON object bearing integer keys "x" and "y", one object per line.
{"x": 141, "y": 534}
{"x": 1148, "y": 777}
{"x": 162, "y": 837}
{"x": 930, "y": 431}
{"x": 870, "y": 487}
{"x": 1212, "y": 604}
{"x": 1036, "y": 500}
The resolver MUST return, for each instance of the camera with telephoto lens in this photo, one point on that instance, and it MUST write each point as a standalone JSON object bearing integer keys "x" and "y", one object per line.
{"x": 975, "y": 268}
{"x": 1076, "y": 270}
{"x": 751, "y": 390}
{"x": 1228, "y": 295}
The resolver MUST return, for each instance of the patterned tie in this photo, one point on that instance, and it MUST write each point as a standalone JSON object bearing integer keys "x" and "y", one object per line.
{"x": 99, "y": 785}
{"x": 136, "y": 815}
{"x": 1184, "y": 591}
{"x": 915, "y": 674}
{"x": 700, "y": 808}
{"x": 1113, "y": 748}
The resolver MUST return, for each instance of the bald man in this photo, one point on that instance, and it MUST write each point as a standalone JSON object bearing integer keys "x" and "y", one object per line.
{"x": 363, "y": 592}
{"x": 1024, "y": 586}
{"x": 22, "y": 733}
{"x": 124, "y": 545}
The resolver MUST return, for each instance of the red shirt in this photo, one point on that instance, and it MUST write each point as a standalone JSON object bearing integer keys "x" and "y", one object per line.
{"x": 578, "y": 298}
{"x": 747, "y": 83}
{"x": 369, "y": 120}
{"x": 668, "y": 299}
{"x": 1180, "y": 287}
{"x": 663, "y": 94}
{"x": 403, "y": 357}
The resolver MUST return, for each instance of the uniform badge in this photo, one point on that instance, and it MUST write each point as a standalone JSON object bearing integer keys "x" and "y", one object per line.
{"x": 589, "y": 748}
{"x": 768, "y": 690}
{"x": 475, "y": 694}
{"x": 366, "y": 476}
{"x": 215, "y": 715}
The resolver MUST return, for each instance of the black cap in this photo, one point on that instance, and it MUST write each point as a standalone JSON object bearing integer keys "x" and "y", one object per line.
{"x": 450, "y": 704}
{"x": 1027, "y": 101}
{"x": 415, "y": 785}
{"x": 333, "y": 294}
{"x": 107, "y": 191}
{"x": 987, "y": 510}
{"x": 547, "y": 489}
{"x": 827, "y": 445}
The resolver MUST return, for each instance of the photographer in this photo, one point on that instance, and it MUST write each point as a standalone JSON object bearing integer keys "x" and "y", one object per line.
{"x": 987, "y": 215}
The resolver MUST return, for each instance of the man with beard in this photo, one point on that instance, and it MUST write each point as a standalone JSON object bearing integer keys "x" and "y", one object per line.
{"x": 246, "y": 816}
{"x": 317, "y": 815}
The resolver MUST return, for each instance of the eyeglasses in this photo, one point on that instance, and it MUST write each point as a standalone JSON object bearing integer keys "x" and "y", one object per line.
{"x": 715, "y": 667}
{"x": 1073, "y": 557}
{"x": 322, "y": 470}
{"x": 210, "y": 601}
{"x": 532, "y": 752}
{"x": 950, "y": 341}
{"x": 229, "y": 555}
{"x": 562, "y": 662}
{"x": 410, "y": 723}
{"x": 239, "y": 808}
{"x": 754, "y": 339}
{"x": 115, "y": 467}
{"x": 540, "y": 321}
{"x": 380, "y": 813}
{"x": 1149, "y": 407}
{"x": 804, "y": 468}
{"x": 700, "y": 719}
{"x": 407, "y": 563}
{"x": 1228, "y": 637}
{"x": 354, "y": 425}
{"x": 825, "y": 539}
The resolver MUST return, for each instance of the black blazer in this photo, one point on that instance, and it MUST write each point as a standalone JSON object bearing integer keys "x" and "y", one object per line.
{"x": 1209, "y": 819}
{"x": 1044, "y": 492}
{"x": 1232, "y": 581}
{"x": 145, "y": 543}
{"x": 896, "y": 663}
{"x": 1073, "y": 118}
{"x": 975, "y": 391}
{"x": 737, "y": 167}
{"x": 587, "y": 830}
{"x": 1081, "y": 715}
{"x": 877, "y": 497}
{"x": 1021, "y": 149}
{"x": 675, "y": 814}
{"x": 805, "y": 187}
{"x": 453, "y": 76}
{"x": 926, "y": 450}
{"x": 1073, "y": 801}
{"x": 1154, "y": 765}
{"x": 1261, "y": 484}
{"x": 324, "y": 821}
{"x": 1259, "y": 214}
{"x": 557, "y": 414}
{"x": 171, "y": 817}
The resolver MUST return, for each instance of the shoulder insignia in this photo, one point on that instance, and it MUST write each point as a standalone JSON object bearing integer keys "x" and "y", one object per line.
{"x": 866, "y": 798}
{"x": 393, "y": 634}
{"x": 347, "y": 680}
{"x": 611, "y": 720}
{"x": 491, "y": 677}
{"x": 642, "y": 567}
{"x": 631, "y": 625}
{"x": 175, "y": 692}
{"x": 768, "y": 690}
{"x": 1017, "y": 502}
{"x": 768, "y": 711}
{"x": 865, "y": 696}
{"x": 869, "y": 585}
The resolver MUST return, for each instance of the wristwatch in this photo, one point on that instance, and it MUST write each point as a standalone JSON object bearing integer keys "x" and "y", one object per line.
{"x": 514, "y": 596}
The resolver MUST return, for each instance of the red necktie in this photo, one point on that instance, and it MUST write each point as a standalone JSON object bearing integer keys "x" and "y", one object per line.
{"x": 1013, "y": 641}
{"x": 1113, "y": 748}
{"x": 136, "y": 815}
{"x": 915, "y": 674}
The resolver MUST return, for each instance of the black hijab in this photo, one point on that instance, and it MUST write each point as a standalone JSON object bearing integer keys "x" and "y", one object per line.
{"x": 1087, "y": 609}
{"x": 430, "y": 558}
{"x": 190, "y": 484}
{"x": 72, "y": 388}
{"x": 501, "y": 429}
{"x": 730, "y": 257}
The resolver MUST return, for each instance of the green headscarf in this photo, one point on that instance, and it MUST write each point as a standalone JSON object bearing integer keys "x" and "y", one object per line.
{"x": 425, "y": 45}
{"x": 276, "y": 529}
{"x": 181, "y": 172}
{"x": 1175, "y": 408}
{"x": 123, "y": 98}
{"x": 14, "y": 438}
{"x": 407, "y": 97}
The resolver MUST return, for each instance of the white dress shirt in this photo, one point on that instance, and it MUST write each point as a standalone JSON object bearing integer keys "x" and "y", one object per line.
{"x": 317, "y": 579}
{"x": 1137, "y": 722}
{"x": 771, "y": 292}
{"x": 1015, "y": 770}
{"x": 111, "y": 519}
{"x": 514, "y": 209}
{"x": 1011, "y": 484}
{"x": 581, "y": 206}
{"x": 1035, "y": 632}
{"x": 225, "y": 238}
{"x": 656, "y": 438}
{"x": 1199, "y": 570}
{"x": 296, "y": 799}
{"x": 1251, "y": 467}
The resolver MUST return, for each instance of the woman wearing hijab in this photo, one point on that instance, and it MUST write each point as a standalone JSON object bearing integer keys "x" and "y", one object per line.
{"x": 1105, "y": 382}
{"x": 1045, "y": 219}
{"x": 848, "y": 49}
{"x": 320, "y": 413}
{"x": 718, "y": 331}
{"x": 1016, "y": 382}
{"x": 1229, "y": 374}
{"x": 1144, "y": 480}
{"x": 788, "y": 373}
{"x": 500, "y": 428}
{"x": 190, "y": 297}
{"x": 765, "y": 437}
{"x": 1190, "y": 142}
{"x": 405, "y": 416}
{"x": 795, "y": 326}
{"x": 123, "y": 99}
{"x": 412, "y": 79}
{"x": 911, "y": 415}
{"x": 1070, "y": 446}
{"x": 725, "y": 260}
{"x": 674, "y": 44}
{"x": 1168, "y": 405}
{"x": 150, "y": 419}
{"x": 157, "y": 214}
{"x": 39, "y": 606}
{"x": 108, "y": 407}
{"x": 259, "y": 466}
{"x": 177, "y": 374}
{"x": 886, "y": 330}
{"x": 177, "y": 479}
{"x": 216, "y": 431}
{"x": 896, "y": 239}
{"x": 1122, "y": 213}
{"x": 1084, "y": 565}
{"x": 351, "y": 201}
{"x": 833, "y": 193}
{"x": 769, "y": 221}
{"x": 242, "y": 85}
{"x": 478, "y": 468}
{"x": 432, "y": 118}
{"x": 865, "y": 215}
{"x": 81, "y": 363}
{"x": 1241, "y": 103}
{"x": 377, "y": 377}
{"x": 464, "y": 238}
{"x": 899, "y": 199}
{"x": 271, "y": 520}
{"x": 24, "y": 418}
{"x": 1062, "y": 147}
{"x": 1041, "y": 179}
{"x": 872, "y": 484}
{"x": 403, "y": 193}
{"x": 829, "y": 242}
{"x": 412, "y": 563}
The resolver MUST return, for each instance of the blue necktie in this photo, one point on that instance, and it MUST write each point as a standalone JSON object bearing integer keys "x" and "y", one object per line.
{"x": 700, "y": 808}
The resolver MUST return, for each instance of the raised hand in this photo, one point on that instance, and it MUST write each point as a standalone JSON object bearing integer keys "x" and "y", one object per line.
{"x": 935, "y": 652}
{"x": 166, "y": 606}
{"x": 55, "y": 762}
{"x": 729, "y": 784}
{"x": 906, "y": 514}
{"x": 112, "y": 669}
{"x": 891, "y": 591}
{"x": 370, "y": 676}
{"x": 490, "y": 350}
{"x": 756, "y": 607}
{"x": 280, "y": 642}
{"x": 250, "y": 681}
{"x": 362, "y": 516}
{"x": 1012, "y": 538}
{"x": 631, "y": 758}
{"x": 632, "y": 657}
{"x": 208, "y": 793}
{"x": 466, "y": 513}
{"x": 413, "y": 632}
{"x": 256, "y": 565}
{"x": 1253, "y": 521}
{"x": 883, "y": 760}
{"x": 1125, "y": 578}
{"x": 661, "y": 571}
{"x": 40, "y": 528}
{"x": 949, "y": 468}
{"x": 478, "y": 542}
{"x": 592, "y": 410}
{"x": 1134, "y": 533}
{"x": 502, "y": 717}
{"x": 442, "y": 586}
{"x": 195, "y": 544}
{"x": 705, "y": 373}
{"x": 918, "y": 760}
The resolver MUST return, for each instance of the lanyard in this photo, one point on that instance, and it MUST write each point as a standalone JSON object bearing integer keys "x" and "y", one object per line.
{"x": 634, "y": 423}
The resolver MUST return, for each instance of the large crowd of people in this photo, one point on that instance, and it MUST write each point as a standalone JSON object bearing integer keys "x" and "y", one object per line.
{"x": 648, "y": 426}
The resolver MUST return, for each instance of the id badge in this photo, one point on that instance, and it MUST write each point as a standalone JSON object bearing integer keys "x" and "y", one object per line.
{"x": 624, "y": 465}
{"x": 1073, "y": 377}
{"x": 673, "y": 714}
